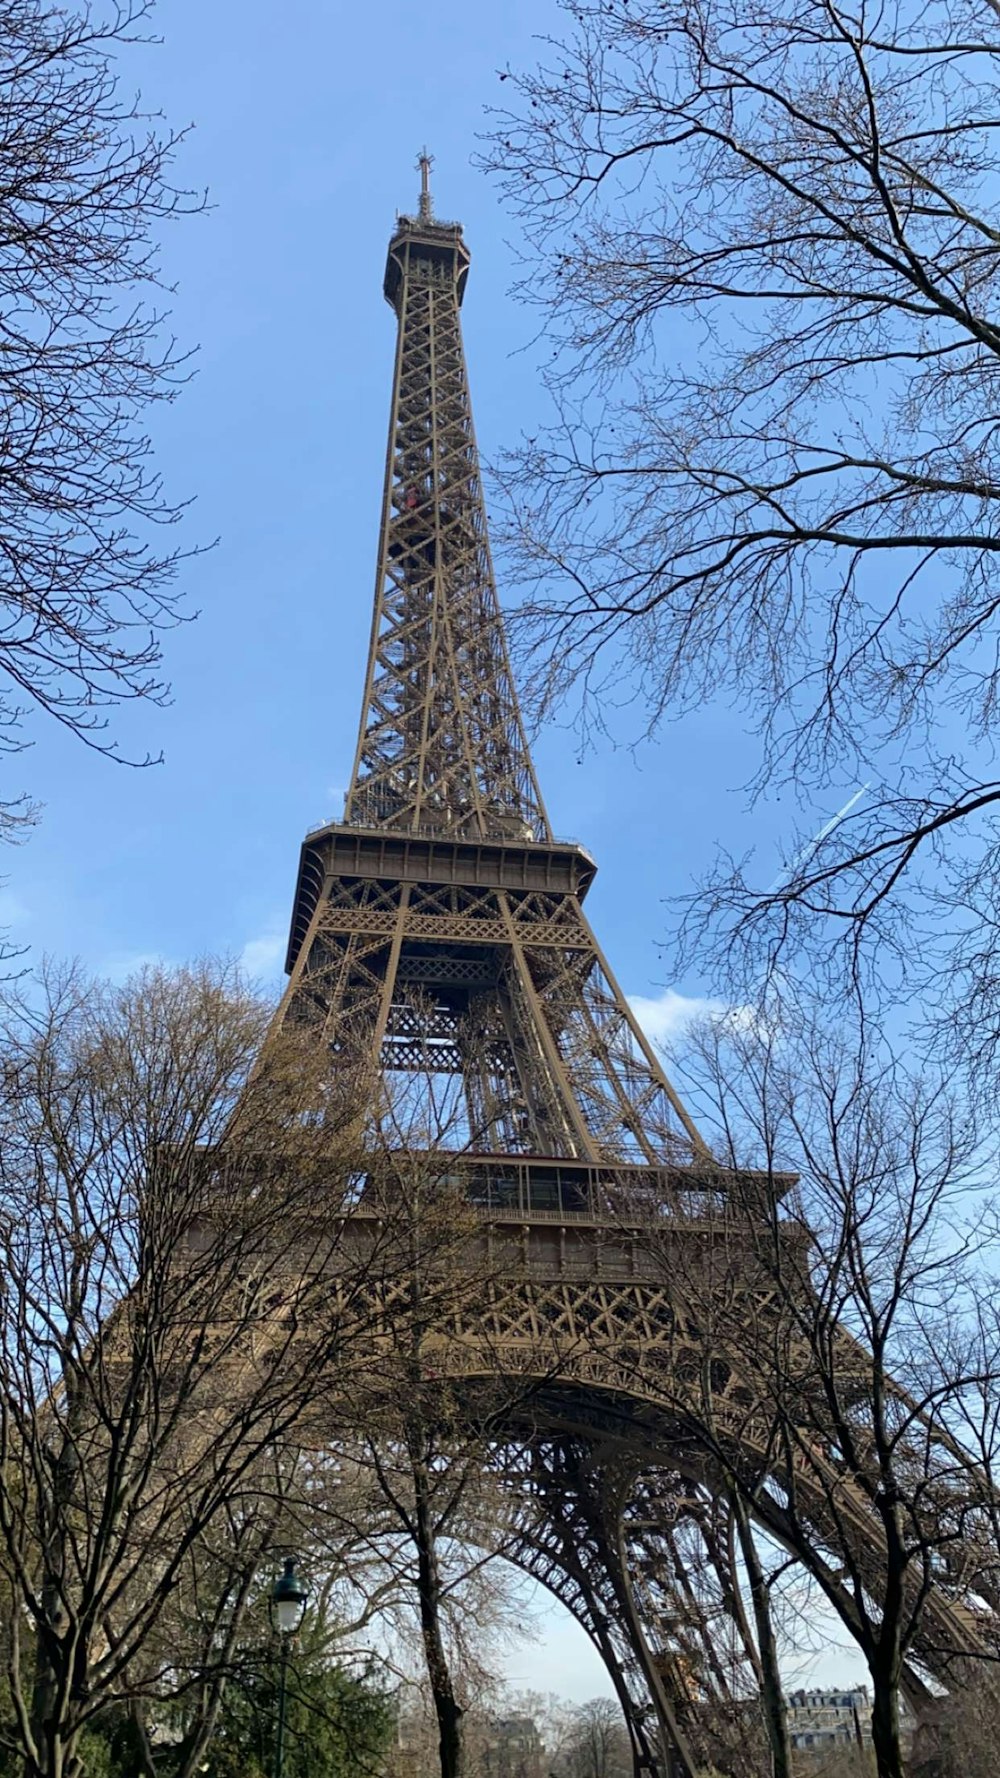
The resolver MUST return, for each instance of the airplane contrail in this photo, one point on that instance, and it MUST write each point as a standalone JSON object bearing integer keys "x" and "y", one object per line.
{"x": 818, "y": 838}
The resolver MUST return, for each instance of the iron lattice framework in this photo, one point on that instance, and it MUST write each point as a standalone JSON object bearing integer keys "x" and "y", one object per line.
{"x": 439, "y": 936}
{"x": 439, "y": 926}
{"x": 442, "y": 746}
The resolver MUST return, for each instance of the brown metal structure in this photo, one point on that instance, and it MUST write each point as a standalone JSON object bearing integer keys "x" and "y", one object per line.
{"x": 440, "y": 923}
{"x": 439, "y": 932}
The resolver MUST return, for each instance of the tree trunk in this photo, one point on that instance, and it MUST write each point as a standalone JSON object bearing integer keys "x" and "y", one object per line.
{"x": 885, "y": 1659}
{"x": 885, "y": 1726}
{"x": 775, "y": 1711}
{"x": 56, "y": 1667}
{"x": 446, "y": 1708}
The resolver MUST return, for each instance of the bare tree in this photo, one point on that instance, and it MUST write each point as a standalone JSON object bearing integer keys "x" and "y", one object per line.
{"x": 958, "y": 1738}
{"x": 842, "y": 1347}
{"x": 502, "y": 1736}
{"x": 597, "y": 1745}
{"x": 85, "y": 188}
{"x": 174, "y": 1281}
{"x": 437, "y": 1523}
{"x": 768, "y": 1669}
{"x": 551, "y": 1716}
{"x": 763, "y": 242}
{"x": 435, "y": 1504}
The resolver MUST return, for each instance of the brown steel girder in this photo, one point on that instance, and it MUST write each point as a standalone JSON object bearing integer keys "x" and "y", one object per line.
{"x": 441, "y": 743}
{"x": 605, "y": 1539}
{"x": 387, "y": 971}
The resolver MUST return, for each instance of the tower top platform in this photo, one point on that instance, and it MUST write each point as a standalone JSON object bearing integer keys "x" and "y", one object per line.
{"x": 423, "y": 237}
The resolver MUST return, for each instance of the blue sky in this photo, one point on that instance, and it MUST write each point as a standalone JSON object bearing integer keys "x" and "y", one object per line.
{"x": 306, "y": 138}
{"x": 308, "y": 121}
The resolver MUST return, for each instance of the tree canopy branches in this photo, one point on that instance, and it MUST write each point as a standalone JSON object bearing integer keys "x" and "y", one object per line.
{"x": 763, "y": 240}
{"x": 86, "y": 185}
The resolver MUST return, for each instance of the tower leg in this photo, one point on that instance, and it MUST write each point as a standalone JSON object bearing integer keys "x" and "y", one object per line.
{"x": 579, "y": 1494}
{"x": 570, "y": 1569}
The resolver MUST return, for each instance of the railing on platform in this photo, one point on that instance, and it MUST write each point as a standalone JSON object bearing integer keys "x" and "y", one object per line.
{"x": 439, "y": 830}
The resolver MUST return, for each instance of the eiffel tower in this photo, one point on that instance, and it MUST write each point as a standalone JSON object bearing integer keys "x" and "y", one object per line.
{"x": 444, "y": 874}
{"x": 439, "y": 930}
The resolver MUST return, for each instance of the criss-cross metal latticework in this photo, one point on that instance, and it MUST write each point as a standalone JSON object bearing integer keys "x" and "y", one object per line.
{"x": 439, "y": 925}
{"x": 439, "y": 935}
{"x": 441, "y": 747}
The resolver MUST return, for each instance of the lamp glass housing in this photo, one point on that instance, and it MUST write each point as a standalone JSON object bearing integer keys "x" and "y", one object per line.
{"x": 288, "y": 1599}
{"x": 289, "y": 1615}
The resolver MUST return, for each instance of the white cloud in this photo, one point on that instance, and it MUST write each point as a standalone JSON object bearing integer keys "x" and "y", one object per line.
{"x": 118, "y": 966}
{"x": 262, "y": 957}
{"x": 668, "y": 1015}
{"x": 12, "y": 911}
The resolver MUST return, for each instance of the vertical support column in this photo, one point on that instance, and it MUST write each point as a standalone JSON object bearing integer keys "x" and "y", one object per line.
{"x": 389, "y": 984}
{"x": 603, "y": 1483}
{"x": 558, "y": 1555}
{"x": 549, "y": 1058}
{"x": 581, "y": 1492}
{"x": 678, "y": 1755}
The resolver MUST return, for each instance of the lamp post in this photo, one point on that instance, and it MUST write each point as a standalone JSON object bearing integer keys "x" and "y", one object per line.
{"x": 287, "y": 1604}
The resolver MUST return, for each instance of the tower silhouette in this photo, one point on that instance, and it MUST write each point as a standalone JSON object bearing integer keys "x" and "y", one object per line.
{"x": 440, "y": 925}
{"x": 438, "y": 931}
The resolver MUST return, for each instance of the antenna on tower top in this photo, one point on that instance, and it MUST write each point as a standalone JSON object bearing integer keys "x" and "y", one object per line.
{"x": 425, "y": 162}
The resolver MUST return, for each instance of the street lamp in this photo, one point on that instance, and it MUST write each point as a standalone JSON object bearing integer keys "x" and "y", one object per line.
{"x": 286, "y": 1605}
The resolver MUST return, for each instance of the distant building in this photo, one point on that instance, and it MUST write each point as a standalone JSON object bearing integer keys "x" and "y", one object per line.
{"x": 819, "y": 1721}
{"x": 495, "y": 1746}
{"x": 512, "y": 1748}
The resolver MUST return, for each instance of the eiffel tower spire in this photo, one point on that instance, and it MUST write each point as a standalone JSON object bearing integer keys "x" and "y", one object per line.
{"x": 441, "y": 745}
{"x": 438, "y": 929}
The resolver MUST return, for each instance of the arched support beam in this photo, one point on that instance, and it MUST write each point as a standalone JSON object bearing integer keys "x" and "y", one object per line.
{"x": 571, "y": 1573}
{"x": 579, "y": 1491}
